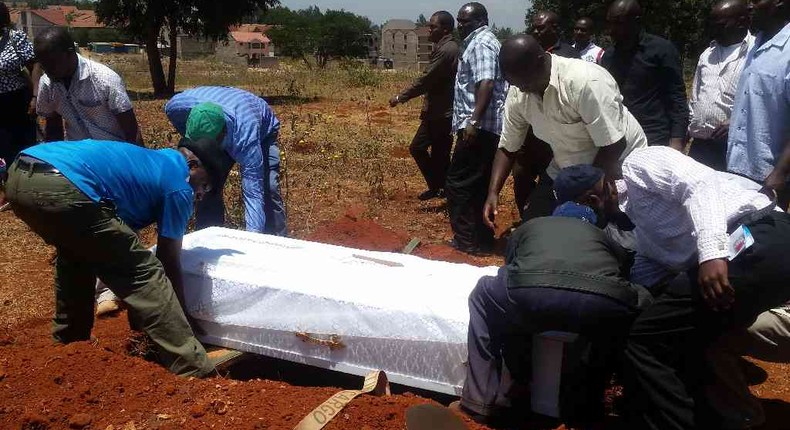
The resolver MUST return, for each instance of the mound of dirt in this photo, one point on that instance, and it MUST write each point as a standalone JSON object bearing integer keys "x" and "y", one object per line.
{"x": 354, "y": 231}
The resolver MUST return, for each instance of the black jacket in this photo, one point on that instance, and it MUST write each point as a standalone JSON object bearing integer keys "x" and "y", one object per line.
{"x": 650, "y": 77}
{"x": 437, "y": 82}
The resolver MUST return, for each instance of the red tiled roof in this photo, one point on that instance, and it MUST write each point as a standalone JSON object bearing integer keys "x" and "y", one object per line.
{"x": 248, "y": 37}
{"x": 56, "y": 15}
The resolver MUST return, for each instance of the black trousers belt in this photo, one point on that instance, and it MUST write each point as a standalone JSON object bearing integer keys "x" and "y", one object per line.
{"x": 34, "y": 165}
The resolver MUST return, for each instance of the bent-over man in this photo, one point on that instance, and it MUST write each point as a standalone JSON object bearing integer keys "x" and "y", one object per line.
{"x": 248, "y": 129}
{"x": 691, "y": 218}
{"x": 86, "y": 198}
{"x": 573, "y": 105}
{"x": 561, "y": 273}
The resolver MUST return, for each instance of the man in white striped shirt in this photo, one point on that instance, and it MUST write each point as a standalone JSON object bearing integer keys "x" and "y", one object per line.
{"x": 687, "y": 216}
{"x": 716, "y": 82}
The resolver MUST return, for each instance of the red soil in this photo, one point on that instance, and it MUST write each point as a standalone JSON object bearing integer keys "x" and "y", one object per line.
{"x": 355, "y": 231}
{"x": 103, "y": 385}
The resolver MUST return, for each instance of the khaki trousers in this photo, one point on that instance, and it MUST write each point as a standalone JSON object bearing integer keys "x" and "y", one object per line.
{"x": 92, "y": 242}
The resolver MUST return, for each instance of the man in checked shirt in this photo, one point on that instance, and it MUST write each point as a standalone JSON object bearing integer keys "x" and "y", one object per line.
{"x": 478, "y": 107}
{"x": 685, "y": 214}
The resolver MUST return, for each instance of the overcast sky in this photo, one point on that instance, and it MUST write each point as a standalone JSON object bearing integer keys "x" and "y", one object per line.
{"x": 503, "y": 13}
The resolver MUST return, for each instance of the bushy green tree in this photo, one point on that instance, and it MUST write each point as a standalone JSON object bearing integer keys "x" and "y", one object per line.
{"x": 681, "y": 21}
{"x": 307, "y": 33}
{"x": 148, "y": 19}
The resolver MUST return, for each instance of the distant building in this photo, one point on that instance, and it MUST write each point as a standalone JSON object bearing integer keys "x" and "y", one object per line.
{"x": 406, "y": 44}
{"x": 33, "y": 21}
{"x": 247, "y": 44}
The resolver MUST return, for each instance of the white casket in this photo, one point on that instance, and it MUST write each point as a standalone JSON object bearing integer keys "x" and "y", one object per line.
{"x": 332, "y": 307}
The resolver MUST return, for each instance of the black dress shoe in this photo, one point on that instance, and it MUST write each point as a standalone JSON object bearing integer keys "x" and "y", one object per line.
{"x": 466, "y": 249}
{"x": 431, "y": 194}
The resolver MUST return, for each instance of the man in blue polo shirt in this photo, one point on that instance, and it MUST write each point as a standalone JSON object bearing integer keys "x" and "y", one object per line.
{"x": 248, "y": 130}
{"x": 87, "y": 198}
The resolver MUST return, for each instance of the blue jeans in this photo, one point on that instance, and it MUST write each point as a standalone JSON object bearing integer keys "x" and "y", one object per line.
{"x": 211, "y": 210}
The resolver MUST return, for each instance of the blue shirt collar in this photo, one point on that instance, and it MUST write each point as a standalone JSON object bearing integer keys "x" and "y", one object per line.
{"x": 474, "y": 34}
{"x": 779, "y": 40}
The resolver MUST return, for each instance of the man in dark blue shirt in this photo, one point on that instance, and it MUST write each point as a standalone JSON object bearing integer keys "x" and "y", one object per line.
{"x": 87, "y": 198}
{"x": 648, "y": 70}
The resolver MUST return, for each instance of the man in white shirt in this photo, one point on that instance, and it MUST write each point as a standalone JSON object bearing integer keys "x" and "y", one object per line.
{"x": 89, "y": 96}
{"x": 716, "y": 82}
{"x": 571, "y": 104}
{"x": 91, "y": 99}
{"x": 688, "y": 217}
{"x": 582, "y": 41}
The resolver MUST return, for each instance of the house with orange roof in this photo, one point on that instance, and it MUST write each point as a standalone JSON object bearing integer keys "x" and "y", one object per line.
{"x": 33, "y": 21}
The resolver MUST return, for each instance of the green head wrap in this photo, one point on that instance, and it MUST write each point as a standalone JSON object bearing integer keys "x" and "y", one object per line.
{"x": 206, "y": 120}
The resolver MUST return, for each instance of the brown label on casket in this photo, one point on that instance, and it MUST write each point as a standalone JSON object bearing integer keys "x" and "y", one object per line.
{"x": 376, "y": 383}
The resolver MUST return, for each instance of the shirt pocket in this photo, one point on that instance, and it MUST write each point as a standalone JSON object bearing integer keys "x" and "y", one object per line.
{"x": 89, "y": 101}
{"x": 764, "y": 83}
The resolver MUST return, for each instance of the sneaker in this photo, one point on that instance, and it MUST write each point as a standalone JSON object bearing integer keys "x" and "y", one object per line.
{"x": 108, "y": 308}
{"x": 431, "y": 194}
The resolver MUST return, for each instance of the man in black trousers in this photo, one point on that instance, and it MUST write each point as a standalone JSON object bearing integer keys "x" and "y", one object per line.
{"x": 436, "y": 84}
{"x": 478, "y": 108}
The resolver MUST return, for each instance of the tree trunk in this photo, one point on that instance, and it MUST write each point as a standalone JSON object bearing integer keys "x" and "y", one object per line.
{"x": 155, "y": 61}
{"x": 171, "y": 68}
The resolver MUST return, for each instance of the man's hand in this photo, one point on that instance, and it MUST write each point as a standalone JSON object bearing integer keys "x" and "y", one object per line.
{"x": 715, "y": 284}
{"x": 394, "y": 101}
{"x": 470, "y": 134}
{"x": 722, "y": 132}
{"x": 677, "y": 143}
{"x": 490, "y": 210}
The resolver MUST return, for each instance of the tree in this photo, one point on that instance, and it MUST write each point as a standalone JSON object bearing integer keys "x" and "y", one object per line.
{"x": 502, "y": 33}
{"x": 421, "y": 21}
{"x": 309, "y": 33}
{"x": 342, "y": 36}
{"x": 148, "y": 19}
{"x": 681, "y": 21}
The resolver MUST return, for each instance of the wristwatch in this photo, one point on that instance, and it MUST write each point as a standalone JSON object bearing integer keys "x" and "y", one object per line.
{"x": 474, "y": 123}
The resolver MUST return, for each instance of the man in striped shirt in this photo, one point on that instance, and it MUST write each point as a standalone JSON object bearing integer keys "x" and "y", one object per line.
{"x": 716, "y": 82}
{"x": 248, "y": 130}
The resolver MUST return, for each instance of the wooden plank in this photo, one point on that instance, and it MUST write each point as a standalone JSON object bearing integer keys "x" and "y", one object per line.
{"x": 222, "y": 358}
{"x": 410, "y": 247}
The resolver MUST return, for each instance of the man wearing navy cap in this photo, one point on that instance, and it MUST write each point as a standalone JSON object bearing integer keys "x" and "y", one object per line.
{"x": 539, "y": 289}
{"x": 75, "y": 197}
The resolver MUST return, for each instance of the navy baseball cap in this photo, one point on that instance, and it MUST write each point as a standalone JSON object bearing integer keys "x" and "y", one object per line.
{"x": 574, "y": 181}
